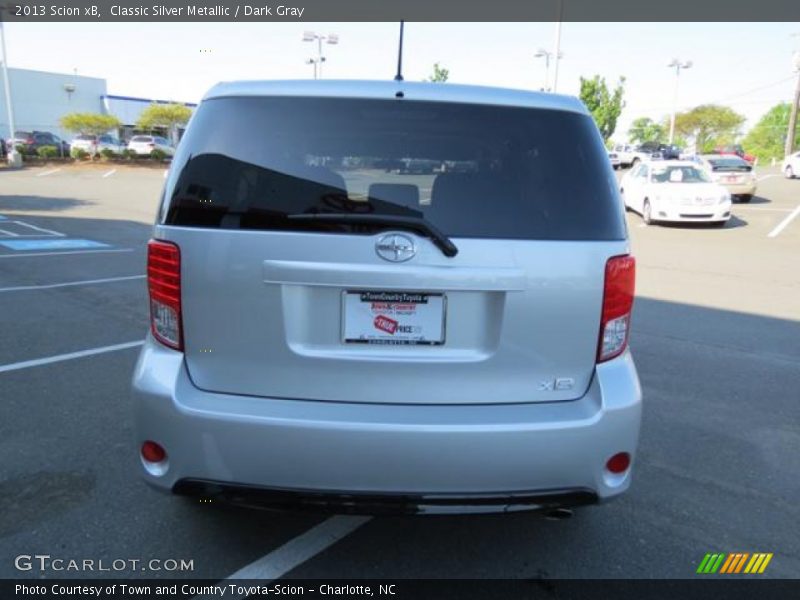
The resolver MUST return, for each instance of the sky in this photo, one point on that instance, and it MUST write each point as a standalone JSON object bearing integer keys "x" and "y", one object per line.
{"x": 747, "y": 66}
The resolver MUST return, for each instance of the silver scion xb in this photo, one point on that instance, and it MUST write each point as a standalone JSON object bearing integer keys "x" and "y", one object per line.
{"x": 389, "y": 297}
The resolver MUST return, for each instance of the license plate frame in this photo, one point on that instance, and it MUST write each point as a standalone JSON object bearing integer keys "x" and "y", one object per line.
{"x": 391, "y": 310}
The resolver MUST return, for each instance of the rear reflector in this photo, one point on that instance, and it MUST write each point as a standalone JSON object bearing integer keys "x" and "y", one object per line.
{"x": 164, "y": 285}
{"x": 153, "y": 452}
{"x": 617, "y": 305}
{"x": 619, "y": 463}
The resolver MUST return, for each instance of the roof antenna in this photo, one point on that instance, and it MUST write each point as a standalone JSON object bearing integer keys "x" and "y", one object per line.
{"x": 399, "y": 76}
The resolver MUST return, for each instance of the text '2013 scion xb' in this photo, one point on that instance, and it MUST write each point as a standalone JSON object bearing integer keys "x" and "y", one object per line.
{"x": 389, "y": 297}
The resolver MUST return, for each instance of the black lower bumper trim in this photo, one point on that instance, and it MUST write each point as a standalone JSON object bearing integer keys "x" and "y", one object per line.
{"x": 366, "y": 503}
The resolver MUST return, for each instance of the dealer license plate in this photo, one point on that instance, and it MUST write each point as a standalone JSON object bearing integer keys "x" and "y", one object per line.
{"x": 402, "y": 318}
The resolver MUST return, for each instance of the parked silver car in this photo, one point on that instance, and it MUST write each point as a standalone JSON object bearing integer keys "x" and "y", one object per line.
{"x": 330, "y": 334}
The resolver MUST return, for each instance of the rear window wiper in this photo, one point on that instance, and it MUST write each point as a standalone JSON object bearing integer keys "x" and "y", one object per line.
{"x": 417, "y": 224}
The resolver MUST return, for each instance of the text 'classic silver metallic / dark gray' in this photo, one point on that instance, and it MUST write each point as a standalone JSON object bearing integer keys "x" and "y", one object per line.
{"x": 375, "y": 297}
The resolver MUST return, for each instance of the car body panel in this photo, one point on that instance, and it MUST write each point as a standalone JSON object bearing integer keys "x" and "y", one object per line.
{"x": 732, "y": 172}
{"x": 384, "y": 448}
{"x": 791, "y": 165}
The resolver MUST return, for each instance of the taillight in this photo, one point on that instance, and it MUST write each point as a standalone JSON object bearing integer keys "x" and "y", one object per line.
{"x": 617, "y": 304}
{"x": 164, "y": 284}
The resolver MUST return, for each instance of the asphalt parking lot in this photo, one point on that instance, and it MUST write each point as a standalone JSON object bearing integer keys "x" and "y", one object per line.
{"x": 716, "y": 338}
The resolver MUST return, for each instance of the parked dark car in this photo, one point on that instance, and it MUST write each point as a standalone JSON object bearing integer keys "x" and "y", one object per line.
{"x": 667, "y": 151}
{"x": 31, "y": 141}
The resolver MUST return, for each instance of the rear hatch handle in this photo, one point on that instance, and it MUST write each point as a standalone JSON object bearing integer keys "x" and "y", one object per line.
{"x": 439, "y": 239}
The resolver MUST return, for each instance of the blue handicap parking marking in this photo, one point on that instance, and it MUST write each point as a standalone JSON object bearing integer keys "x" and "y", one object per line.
{"x": 59, "y": 244}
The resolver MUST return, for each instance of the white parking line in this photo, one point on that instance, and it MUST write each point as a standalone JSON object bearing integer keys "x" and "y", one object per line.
{"x": 62, "y": 357}
{"x": 9, "y": 233}
{"x": 21, "y": 288}
{"x": 42, "y": 229}
{"x": 782, "y": 225}
{"x": 62, "y": 253}
{"x": 46, "y": 173}
{"x": 297, "y": 551}
{"x": 109, "y": 174}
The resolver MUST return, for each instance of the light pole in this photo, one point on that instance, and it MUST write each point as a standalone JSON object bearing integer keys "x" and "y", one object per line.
{"x": 557, "y": 47}
{"x": 541, "y": 52}
{"x": 678, "y": 64}
{"x": 331, "y": 39}
{"x": 789, "y": 148}
{"x": 14, "y": 158}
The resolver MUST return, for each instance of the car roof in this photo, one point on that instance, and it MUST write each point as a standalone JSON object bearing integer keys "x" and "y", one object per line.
{"x": 672, "y": 163}
{"x": 722, "y": 156}
{"x": 414, "y": 91}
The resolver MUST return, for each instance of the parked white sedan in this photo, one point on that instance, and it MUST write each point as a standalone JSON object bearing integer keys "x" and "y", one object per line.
{"x": 674, "y": 190}
{"x": 145, "y": 144}
{"x": 96, "y": 143}
{"x": 791, "y": 166}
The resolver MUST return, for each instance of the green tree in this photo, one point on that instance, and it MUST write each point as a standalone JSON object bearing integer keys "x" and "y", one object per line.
{"x": 644, "y": 129}
{"x": 168, "y": 116}
{"x": 604, "y": 105}
{"x": 89, "y": 123}
{"x": 767, "y": 137}
{"x": 440, "y": 74}
{"x": 709, "y": 125}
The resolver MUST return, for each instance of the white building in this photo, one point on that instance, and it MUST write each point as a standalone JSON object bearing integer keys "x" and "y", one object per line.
{"x": 40, "y": 99}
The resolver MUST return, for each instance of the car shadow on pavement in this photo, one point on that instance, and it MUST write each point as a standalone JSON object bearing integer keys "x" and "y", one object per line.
{"x": 755, "y": 200}
{"x": 39, "y": 203}
{"x": 733, "y": 223}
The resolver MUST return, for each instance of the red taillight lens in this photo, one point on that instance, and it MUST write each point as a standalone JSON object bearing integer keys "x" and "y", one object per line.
{"x": 617, "y": 304}
{"x": 164, "y": 284}
{"x": 619, "y": 463}
{"x": 153, "y": 452}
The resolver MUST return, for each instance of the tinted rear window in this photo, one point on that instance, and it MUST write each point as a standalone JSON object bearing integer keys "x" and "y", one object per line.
{"x": 141, "y": 138}
{"x": 729, "y": 164}
{"x": 471, "y": 170}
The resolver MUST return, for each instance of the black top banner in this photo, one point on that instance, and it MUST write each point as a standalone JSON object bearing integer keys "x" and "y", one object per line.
{"x": 37, "y": 11}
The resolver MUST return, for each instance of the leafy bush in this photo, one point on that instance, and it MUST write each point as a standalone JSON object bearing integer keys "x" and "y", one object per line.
{"x": 79, "y": 154}
{"x": 47, "y": 151}
{"x": 128, "y": 153}
{"x": 158, "y": 154}
{"x": 21, "y": 149}
{"x": 107, "y": 153}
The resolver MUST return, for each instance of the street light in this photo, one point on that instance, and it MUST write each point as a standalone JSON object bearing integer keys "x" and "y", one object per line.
{"x": 541, "y": 52}
{"x": 678, "y": 64}
{"x": 310, "y": 36}
{"x": 14, "y": 157}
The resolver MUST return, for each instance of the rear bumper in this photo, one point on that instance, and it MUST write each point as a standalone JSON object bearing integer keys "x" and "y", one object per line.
{"x": 740, "y": 189}
{"x": 375, "y": 458}
{"x": 382, "y": 503}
